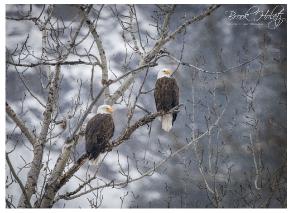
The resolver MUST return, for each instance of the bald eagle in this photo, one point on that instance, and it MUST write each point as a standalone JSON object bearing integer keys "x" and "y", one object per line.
{"x": 99, "y": 131}
{"x": 166, "y": 95}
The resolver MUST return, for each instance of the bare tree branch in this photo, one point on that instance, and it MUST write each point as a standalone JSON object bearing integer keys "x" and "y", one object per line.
{"x": 141, "y": 122}
{"x": 70, "y": 142}
{"x": 28, "y": 204}
{"x": 52, "y": 63}
{"x": 38, "y": 148}
{"x": 158, "y": 45}
{"x": 55, "y": 184}
{"x": 51, "y": 190}
{"x": 120, "y": 139}
{"x": 31, "y": 138}
{"x": 210, "y": 72}
{"x": 148, "y": 57}
{"x": 36, "y": 164}
{"x": 197, "y": 18}
{"x": 100, "y": 47}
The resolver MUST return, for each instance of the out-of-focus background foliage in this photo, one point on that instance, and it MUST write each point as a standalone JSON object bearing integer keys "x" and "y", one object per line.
{"x": 253, "y": 96}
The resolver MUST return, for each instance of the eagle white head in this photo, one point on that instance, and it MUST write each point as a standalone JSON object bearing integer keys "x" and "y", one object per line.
{"x": 164, "y": 73}
{"x": 105, "y": 109}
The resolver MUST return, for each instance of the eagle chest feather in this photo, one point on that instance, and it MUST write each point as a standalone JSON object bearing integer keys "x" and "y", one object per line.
{"x": 99, "y": 131}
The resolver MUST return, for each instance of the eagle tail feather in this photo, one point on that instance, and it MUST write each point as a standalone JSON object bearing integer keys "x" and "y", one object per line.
{"x": 166, "y": 122}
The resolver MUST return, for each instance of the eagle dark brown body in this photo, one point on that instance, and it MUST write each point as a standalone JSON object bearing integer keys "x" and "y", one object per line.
{"x": 166, "y": 95}
{"x": 99, "y": 131}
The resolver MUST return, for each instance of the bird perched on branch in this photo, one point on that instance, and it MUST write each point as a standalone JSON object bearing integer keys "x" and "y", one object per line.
{"x": 99, "y": 131}
{"x": 166, "y": 95}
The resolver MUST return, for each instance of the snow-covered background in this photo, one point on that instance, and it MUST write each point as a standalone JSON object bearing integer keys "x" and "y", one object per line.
{"x": 214, "y": 44}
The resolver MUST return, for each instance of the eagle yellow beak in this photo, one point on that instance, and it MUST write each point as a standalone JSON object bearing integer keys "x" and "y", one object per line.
{"x": 110, "y": 109}
{"x": 169, "y": 72}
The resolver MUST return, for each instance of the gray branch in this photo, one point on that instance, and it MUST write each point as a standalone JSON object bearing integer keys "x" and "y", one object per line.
{"x": 11, "y": 113}
{"x": 38, "y": 148}
{"x": 100, "y": 47}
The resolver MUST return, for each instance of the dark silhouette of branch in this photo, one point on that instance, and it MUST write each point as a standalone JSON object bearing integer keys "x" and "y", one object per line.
{"x": 45, "y": 63}
{"x": 141, "y": 122}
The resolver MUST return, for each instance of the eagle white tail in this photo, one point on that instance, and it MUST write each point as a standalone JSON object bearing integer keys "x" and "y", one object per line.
{"x": 96, "y": 161}
{"x": 166, "y": 122}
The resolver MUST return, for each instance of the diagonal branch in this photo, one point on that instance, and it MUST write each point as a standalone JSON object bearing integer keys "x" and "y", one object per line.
{"x": 11, "y": 113}
{"x": 141, "y": 122}
{"x": 156, "y": 166}
{"x": 66, "y": 177}
{"x": 122, "y": 138}
{"x": 182, "y": 27}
